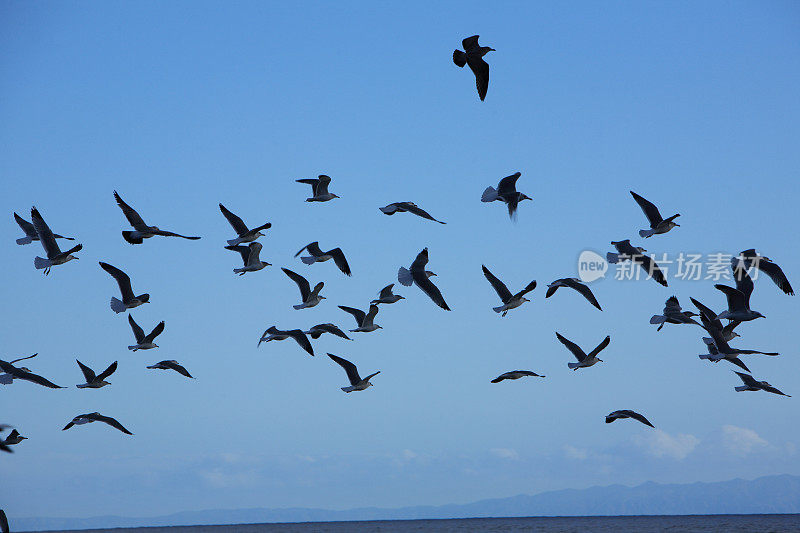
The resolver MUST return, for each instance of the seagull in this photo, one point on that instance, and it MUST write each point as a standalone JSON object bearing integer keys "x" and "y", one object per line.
{"x": 672, "y": 314}
{"x": 627, "y": 413}
{"x": 274, "y": 334}
{"x": 30, "y": 232}
{"x": 316, "y": 331}
{"x": 473, "y": 56}
{"x": 249, "y": 253}
{"x": 506, "y": 192}
{"x": 318, "y": 255}
{"x": 245, "y": 235}
{"x": 628, "y": 252}
{"x": 8, "y": 379}
{"x": 407, "y": 207}
{"x": 765, "y": 265}
{"x": 714, "y": 356}
{"x": 310, "y": 298}
{"x": 738, "y": 308}
{"x": 129, "y": 301}
{"x": 96, "y": 381}
{"x": 144, "y": 342}
{"x": 387, "y": 297}
{"x": 727, "y": 332}
{"x": 319, "y": 186}
{"x": 171, "y": 365}
{"x": 54, "y": 254}
{"x": 363, "y": 320}
{"x": 515, "y": 374}
{"x": 25, "y": 375}
{"x": 88, "y": 418}
{"x": 510, "y": 301}
{"x": 573, "y": 283}
{"x": 14, "y": 438}
{"x": 658, "y": 225}
{"x": 725, "y": 350}
{"x": 356, "y": 383}
{"x": 142, "y": 230}
{"x": 583, "y": 359}
{"x": 419, "y": 275}
{"x": 750, "y": 384}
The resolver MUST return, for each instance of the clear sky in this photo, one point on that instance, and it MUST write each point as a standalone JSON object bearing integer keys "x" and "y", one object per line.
{"x": 182, "y": 105}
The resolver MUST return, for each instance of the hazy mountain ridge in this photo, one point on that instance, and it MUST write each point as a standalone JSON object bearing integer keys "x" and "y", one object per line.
{"x": 766, "y": 495}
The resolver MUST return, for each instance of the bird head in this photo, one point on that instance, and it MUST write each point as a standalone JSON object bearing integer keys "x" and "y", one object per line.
{"x": 259, "y": 234}
{"x": 524, "y": 197}
{"x": 70, "y": 257}
{"x": 379, "y": 327}
{"x": 525, "y": 299}
{"x": 322, "y": 297}
{"x": 759, "y": 315}
{"x": 155, "y": 345}
{"x": 599, "y": 360}
{"x": 144, "y": 298}
{"x": 334, "y": 195}
{"x": 429, "y": 273}
{"x": 401, "y": 297}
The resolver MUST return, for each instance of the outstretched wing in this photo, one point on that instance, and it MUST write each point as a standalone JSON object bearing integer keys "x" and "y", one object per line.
{"x": 130, "y": 213}
{"x": 46, "y": 236}
{"x": 332, "y": 329}
{"x": 639, "y": 417}
{"x": 427, "y": 286}
{"x": 652, "y": 269}
{"x": 341, "y": 262}
{"x": 528, "y": 288}
{"x": 481, "y": 70}
{"x": 350, "y": 368}
{"x": 313, "y": 248}
{"x": 235, "y": 222}
{"x": 649, "y": 209}
{"x": 470, "y": 43}
{"x": 26, "y": 226}
{"x": 736, "y": 299}
{"x": 155, "y": 333}
{"x": 576, "y": 350}
{"x": 108, "y": 371}
{"x": 177, "y": 368}
{"x": 244, "y": 251}
{"x": 600, "y": 347}
{"x": 508, "y": 185}
{"x": 499, "y": 287}
{"x": 386, "y": 291}
{"x": 301, "y": 339}
{"x": 88, "y": 373}
{"x": 748, "y": 380}
{"x": 585, "y": 291}
{"x": 357, "y": 313}
{"x": 412, "y": 208}
{"x": 302, "y": 283}
{"x": 138, "y": 332}
{"x": 110, "y": 421}
{"x": 123, "y": 280}
{"x": 776, "y": 275}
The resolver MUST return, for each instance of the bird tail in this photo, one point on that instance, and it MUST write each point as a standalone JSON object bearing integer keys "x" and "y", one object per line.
{"x": 299, "y": 306}
{"x": 657, "y": 319}
{"x": 711, "y": 357}
{"x": 740, "y": 389}
{"x": 117, "y": 306}
{"x": 348, "y": 389}
{"x": 41, "y": 263}
{"x": 25, "y": 240}
{"x": 132, "y": 237}
{"x": 404, "y": 277}
{"x": 489, "y": 195}
{"x": 612, "y": 258}
{"x": 646, "y": 233}
{"x": 234, "y": 242}
{"x": 133, "y": 348}
{"x": 239, "y": 271}
{"x": 459, "y": 58}
{"x": 573, "y": 366}
{"x": 499, "y": 309}
{"x": 309, "y": 260}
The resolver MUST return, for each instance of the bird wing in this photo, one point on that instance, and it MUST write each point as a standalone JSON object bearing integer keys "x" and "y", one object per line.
{"x": 744, "y": 283}
{"x": 88, "y": 373}
{"x": 576, "y": 350}
{"x": 130, "y": 213}
{"x": 322, "y": 185}
{"x": 341, "y": 262}
{"x": 24, "y": 358}
{"x": 27, "y": 376}
{"x": 420, "y": 261}
{"x": 639, "y": 417}
{"x": 672, "y": 306}
{"x": 123, "y": 280}
{"x": 776, "y": 275}
{"x": 313, "y": 248}
{"x": 373, "y": 310}
{"x": 310, "y": 181}
{"x": 155, "y": 333}
{"x": 330, "y": 328}
{"x": 470, "y": 42}
{"x": 600, "y": 347}
{"x": 371, "y": 376}
{"x": 386, "y": 291}
{"x": 108, "y": 371}
{"x": 583, "y": 290}
{"x": 110, "y": 421}
{"x": 244, "y": 251}
{"x": 45, "y": 235}
{"x": 651, "y": 267}
{"x": 412, "y": 208}
{"x": 508, "y": 185}
{"x": 716, "y": 334}
{"x": 481, "y": 70}
{"x": 26, "y": 226}
{"x": 176, "y": 367}
{"x": 301, "y": 339}
{"x": 499, "y": 287}
{"x": 649, "y": 209}
{"x": 747, "y": 379}
{"x": 236, "y": 223}
{"x": 138, "y": 332}
{"x": 253, "y": 250}
{"x": 164, "y": 233}
{"x": 390, "y": 209}
{"x": 357, "y": 313}
{"x": 302, "y": 283}
{"x": 350, "y": 368}
{"x": 736, "y": 299}
{"x": 710, "y": 315}
{"x": 528, "y": 288}
{"x": 427, "y": 286}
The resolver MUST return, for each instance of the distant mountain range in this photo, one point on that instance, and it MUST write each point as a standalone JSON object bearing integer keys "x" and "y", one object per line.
{"x": 765, "y": 495}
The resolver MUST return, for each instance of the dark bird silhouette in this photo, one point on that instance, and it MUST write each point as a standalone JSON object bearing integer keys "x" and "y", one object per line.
{"x": 144, "y": 342}
{"x": 141, "y": 230}
{"x": 30, "y": 232}
{"x": 363, "y": 320}
{"x": 627, "y": 413}
{"x": 627, "y": 252}
{"x": 317, "y": 255}
{"x": 171, "y": 365}
{"x": 386, "y": 296}
{"x": 510, "y": 301}
{"x": 8, "y": 379}
{"x": 14, "y": 438}
{"x": 417, "y": 274}
{"x": 507, "y": 193}
{"x": 515, "y": 374}
{"x": 711, "y": 317}
{"x": 584, "y": 360}
{"x": 407, "y": 207}
{"x": 316, "y": 331}
{"x": 88, "y": 418}
{"x": 657, "y": 223}
{"x": 750, "y": 384}
{"x": 309, "y": 298}
{"x": 764, "y": 264}
{"x": 576, "y": 284}
{"x": 274, "y": 334}
{"x": 250, "y": 258}
{"x": 473, "y": 56}
{"x": 129, "y": 300}
{"x": 95, "y": 381}
{"x": 244, "y": 234}
{"x": 54, "y": 254}
{"x": 25, "y": 375}
{"x": 672, "y": 314}
{"x": 319, "y": 188}
{"x": 356, "y": 383}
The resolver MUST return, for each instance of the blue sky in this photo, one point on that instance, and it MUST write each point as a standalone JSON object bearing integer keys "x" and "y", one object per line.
{"x": 183, "y": 105}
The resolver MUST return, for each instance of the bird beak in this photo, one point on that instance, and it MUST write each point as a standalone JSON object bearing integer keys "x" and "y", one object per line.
{"x": 492, "y": 50}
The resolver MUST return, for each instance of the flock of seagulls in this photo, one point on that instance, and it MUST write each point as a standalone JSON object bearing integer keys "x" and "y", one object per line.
{"x": 246, "y": 244}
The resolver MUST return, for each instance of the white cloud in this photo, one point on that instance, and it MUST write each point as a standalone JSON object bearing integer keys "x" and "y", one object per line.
{"x": 575, "y": 453}
{"x": 505, "y": 453}
{"x": 661, "y": 444}
{"x": 741, "y": 441}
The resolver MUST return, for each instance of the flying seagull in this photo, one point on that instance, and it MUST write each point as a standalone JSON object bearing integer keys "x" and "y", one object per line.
{"x": 14, "y": 438}
{"x": 88, "y": 418}
{"x": 317, "y": 255}
{"x": 245, "y": 235}
{"x": 765, "y": 265}
{"x": 407, "y": 207}
{"x": 8, "y": 379}
{"x": 738, "y": 308}
{"x": 510, "y": 301}
{"x": 573, "y": 283}
{"x": 727, "y": 331}
{"x": 672, "y": 314}
{"x": 319, "y": 188}
{"x": 316, "y": 331}
{"x": 309, "y": 298}
{"x": 25, "y": 375}
{"x": 658, "y": 225}
{"x": 129, "y": 301}
{"x": 54, "y": 254}
{"x": 722, "y": 345}
{"x": 250, "y": 258}
{"x": 416, "y": 273}
{"x": 144, "y": 342}
{"x": 386, "y": 296}
{"x": 750, "y": 384}
{"x": 274, "y": 334}
{"x": 30, "y": 232}
{"x": 584, "y": 360}
{"x": 714, "y": 356}
{"x": 473, "y": 56}
{"x": 627, "y": 413}
{"x": 356, "y": 383}
{"x": 626, "y": 251}
{"x": 363, "y": 320}
{"x": 95, "y": 381}
{"x": 171, "y": 365}
{"x": 141, "y": 230}
{"x": 515, "y": 374}
{"x": 506, "y": 192}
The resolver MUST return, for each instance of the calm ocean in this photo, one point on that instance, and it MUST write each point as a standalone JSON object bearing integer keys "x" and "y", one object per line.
{"x": 639, "y": 524}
